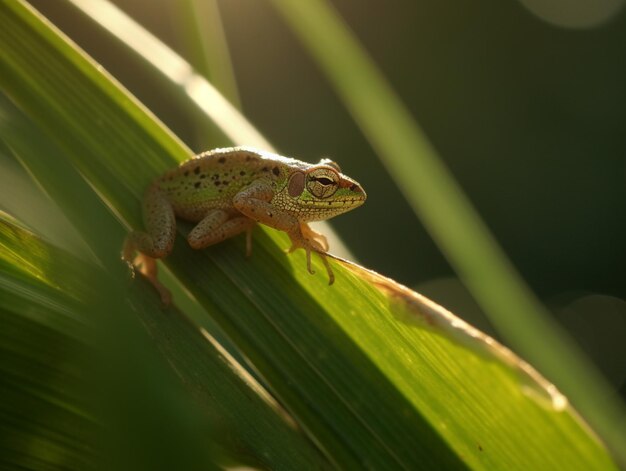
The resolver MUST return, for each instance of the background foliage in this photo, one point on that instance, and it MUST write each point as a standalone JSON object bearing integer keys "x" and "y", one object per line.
{"x": 532, "y": 139}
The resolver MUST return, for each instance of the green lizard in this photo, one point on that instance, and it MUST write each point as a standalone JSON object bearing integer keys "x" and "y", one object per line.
{"x": 227, "y": 191}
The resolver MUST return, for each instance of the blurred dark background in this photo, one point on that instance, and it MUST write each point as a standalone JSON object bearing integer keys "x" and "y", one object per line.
{"x": 528, "y": 112}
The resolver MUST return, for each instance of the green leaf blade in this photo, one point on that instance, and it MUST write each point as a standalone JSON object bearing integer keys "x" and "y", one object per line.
{"x": 49, "y": 411}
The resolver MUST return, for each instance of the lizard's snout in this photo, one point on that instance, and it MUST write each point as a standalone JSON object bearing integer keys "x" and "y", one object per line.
{"x": 358, "y": 191}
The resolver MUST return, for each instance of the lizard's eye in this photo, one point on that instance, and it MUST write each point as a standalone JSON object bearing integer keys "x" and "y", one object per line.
{"x": 322, "y": 182}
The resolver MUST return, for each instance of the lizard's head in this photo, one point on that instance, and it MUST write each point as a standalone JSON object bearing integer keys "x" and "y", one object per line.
{"x": 322, "y": 191}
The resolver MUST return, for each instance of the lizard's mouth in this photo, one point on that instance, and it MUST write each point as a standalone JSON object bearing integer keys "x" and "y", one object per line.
{"x": 336, "y": 205}
{"x": 347, "y": 196}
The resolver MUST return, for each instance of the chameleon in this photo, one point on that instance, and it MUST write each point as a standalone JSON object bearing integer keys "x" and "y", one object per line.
{"x": 227, "y": 192}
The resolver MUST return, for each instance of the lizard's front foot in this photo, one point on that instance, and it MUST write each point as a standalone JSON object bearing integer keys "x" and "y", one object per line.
{"x": 309, "y": 240}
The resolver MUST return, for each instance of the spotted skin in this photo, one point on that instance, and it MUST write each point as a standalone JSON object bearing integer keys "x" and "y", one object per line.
{"x": 227, "y": 191}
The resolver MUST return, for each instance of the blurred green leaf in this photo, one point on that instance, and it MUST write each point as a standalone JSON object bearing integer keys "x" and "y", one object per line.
{"x": 52, "y": 409}
{"x": 205, "y": 39}
{"x": 43, "y": 419}
{"x": 376, "y": 375}
{"x": 192, "y": 89}
{"x": 201, "y": 30}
